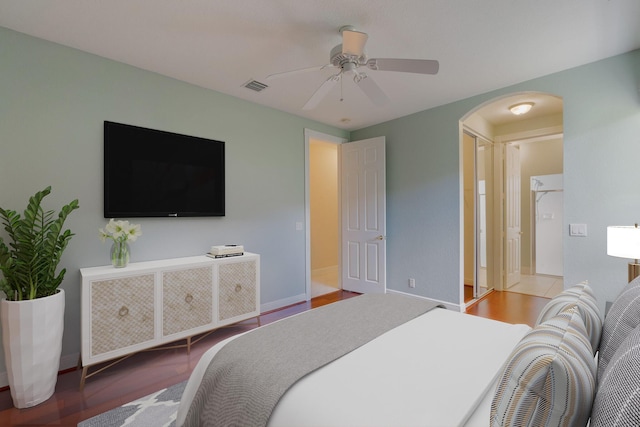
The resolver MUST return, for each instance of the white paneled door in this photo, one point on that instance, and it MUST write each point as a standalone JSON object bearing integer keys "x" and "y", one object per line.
{"x": 512, "y": 215}
{"x": 363, "y": 194}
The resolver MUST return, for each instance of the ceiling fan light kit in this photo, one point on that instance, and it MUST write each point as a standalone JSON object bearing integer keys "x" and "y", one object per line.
{"x": 348, "y": 56}
{"x": 353, "y": 41}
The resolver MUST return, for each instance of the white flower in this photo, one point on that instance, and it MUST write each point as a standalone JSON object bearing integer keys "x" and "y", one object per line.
{"x": 111, "y": 226}
{"x": 134, "y": 232}
{"x": 120, "y": 231}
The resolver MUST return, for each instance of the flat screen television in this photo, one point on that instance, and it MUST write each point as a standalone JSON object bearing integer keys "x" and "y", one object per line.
{"x": 153, "y": 173}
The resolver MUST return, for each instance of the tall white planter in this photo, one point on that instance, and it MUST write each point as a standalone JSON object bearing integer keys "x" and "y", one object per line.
{"x": 32, "y": 341}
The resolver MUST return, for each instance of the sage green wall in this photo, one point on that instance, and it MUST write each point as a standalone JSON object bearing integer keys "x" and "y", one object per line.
{"x": 601, "y": 176}
{"x": 53, "y": 101}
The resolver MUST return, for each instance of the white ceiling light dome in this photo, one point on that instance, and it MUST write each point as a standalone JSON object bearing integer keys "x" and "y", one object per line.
{"x": 521, "y": 108}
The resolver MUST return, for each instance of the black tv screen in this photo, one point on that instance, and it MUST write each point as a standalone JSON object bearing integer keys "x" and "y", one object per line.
{"x": 152, "y": 173}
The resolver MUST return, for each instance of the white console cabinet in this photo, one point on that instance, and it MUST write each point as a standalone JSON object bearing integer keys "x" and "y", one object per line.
{"x": 147, "y": 304}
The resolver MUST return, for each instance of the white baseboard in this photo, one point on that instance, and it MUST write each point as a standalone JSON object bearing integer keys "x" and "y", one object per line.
{"x": 447, "y": 305}
{"x": 66, "y": 362}
{"x": 69, "y": 361}
{"x": 274, "y": 305}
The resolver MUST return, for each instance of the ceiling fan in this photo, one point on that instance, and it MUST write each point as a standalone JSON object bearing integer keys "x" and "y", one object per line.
{"x": 349, "y": 57}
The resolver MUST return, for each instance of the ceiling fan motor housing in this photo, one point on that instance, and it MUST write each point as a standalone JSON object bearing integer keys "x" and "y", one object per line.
{"x": 344, "y": 61}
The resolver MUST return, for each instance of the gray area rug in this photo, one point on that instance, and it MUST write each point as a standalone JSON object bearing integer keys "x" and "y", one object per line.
{"x": 158, "y": 409}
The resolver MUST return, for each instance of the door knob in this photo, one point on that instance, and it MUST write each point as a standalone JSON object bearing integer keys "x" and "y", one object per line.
{"x": 380, "y": 237}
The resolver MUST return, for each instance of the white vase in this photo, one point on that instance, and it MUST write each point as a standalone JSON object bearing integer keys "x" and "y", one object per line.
{"x": 32, "y": 341}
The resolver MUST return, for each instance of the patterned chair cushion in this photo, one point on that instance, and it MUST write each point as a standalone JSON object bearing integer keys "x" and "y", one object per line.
{"x": 617, "y": 401}
{"x": 549, "y": 379}
{"x": 582, "y": 296}
{"x": 622, "y": 318}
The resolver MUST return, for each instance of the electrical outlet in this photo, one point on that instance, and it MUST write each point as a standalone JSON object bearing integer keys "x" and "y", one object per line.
{"x": 412, "y": 282}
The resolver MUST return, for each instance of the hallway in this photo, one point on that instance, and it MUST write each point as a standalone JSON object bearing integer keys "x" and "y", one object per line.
{"x": 509, "y": 307}
{"x": 538, "y": 285}
{"x": 324, "y": 281}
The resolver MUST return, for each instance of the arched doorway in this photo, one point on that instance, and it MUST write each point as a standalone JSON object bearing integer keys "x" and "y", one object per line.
{"x": 500, "y": 155}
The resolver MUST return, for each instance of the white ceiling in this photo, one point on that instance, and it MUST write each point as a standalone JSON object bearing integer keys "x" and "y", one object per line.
{"x": 222, "y": 44}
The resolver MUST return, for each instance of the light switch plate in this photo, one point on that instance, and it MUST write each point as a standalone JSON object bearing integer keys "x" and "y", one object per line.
{"x": 579, "y": 230}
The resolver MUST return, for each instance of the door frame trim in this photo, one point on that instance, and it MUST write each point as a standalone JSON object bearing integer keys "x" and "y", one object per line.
{"x": 529, "y": 136}
{"x": 310, "y": 134}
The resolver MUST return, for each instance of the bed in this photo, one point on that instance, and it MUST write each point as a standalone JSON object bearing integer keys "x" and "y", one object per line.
{"x": 444, "y": 368}
{"x": 432, "y": 370}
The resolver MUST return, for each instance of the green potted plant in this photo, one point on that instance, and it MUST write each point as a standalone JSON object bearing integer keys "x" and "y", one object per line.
{"x": 32, "y": 314}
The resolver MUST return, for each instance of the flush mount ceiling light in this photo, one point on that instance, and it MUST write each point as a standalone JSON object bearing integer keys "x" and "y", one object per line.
{"x": 521, "y": 108}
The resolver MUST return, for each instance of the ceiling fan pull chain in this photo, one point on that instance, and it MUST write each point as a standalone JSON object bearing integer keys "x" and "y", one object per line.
{"x": 341, "y": 95}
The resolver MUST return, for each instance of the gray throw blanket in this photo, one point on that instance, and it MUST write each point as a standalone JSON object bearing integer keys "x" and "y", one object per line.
{"x": 248, "y": 376}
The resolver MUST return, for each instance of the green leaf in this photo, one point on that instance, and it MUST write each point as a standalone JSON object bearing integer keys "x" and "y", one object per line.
{"x": 37, "y": 241}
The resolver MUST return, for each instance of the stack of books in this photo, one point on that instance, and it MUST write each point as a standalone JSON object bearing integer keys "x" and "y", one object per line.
{"x": 224, "y": 251}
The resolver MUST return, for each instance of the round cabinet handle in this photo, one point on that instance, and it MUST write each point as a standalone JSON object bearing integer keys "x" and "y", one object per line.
{"x": 123, "y": 311}
{"x": 188, "y": 298}
{"x": 238, "y": 287}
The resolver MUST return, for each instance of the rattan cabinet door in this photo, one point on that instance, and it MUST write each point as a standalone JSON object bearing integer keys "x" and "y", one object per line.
{"x": 237, "y": 283}
{"x": 122, "y": 313}
{"x": 187, "y": 299}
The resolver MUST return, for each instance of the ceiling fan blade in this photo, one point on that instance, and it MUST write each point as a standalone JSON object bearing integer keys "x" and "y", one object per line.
{"x": 322, "y": 91}
{"x": 419, "y": 66}
{"x": 371, "y": 89}
{"x": 301, "y": 70}
{"x": 353, "y": 42}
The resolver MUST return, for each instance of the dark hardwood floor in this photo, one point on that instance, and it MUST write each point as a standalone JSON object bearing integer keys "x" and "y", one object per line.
{"x": 150, "y": 371}
{"x": 509, "y": 307}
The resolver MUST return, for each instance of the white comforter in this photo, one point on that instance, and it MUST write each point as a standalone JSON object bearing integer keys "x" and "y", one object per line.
{"x": 432, "y": 371}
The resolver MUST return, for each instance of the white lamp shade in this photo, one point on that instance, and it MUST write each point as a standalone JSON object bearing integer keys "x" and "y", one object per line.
{"x": 623, "y": 241}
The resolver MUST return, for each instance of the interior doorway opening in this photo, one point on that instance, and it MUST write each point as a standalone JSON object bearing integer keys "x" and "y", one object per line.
{"x": 322, "y": 199}
{"x": 324, "y": 217}
{"x": 345, "y": 214}
{"x": 501, "y": 239}
{"x": 542, "y": 217}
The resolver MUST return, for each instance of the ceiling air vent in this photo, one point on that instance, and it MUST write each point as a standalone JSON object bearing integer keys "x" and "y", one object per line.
{"x": 255, "y": 85}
